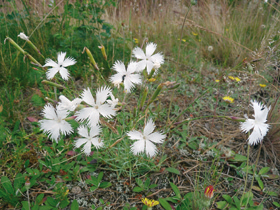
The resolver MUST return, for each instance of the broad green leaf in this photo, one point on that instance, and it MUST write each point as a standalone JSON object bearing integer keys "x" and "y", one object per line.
{"x": 164, "y": 204}
{"x": 93, "y": 188}
{"x": 19, "y": 181}
{"x": 175, "y": 189}
{"x": 173, "y": 170}
{"x": 153, "y": 186}
{"x": 264, "y": 170}
{"x": 260, "y": 182}
{"x": 25, "y": 205}
{"x": 7, "y": 184}
{"x": 239, "y": 158}
{"x": 227, "y": 198}
{"x": 105, "y": 184}
{"x": 35, "y": 207}
{"x": 99, "y": 178}
{"x": 39, "y": 198}
{"x": 271, "y": 193}
{"x": 137, "y": 189}
{"x": 74, "y": 205}
{"x": 221, "y": 204}
{"x": 236, "y": 201}
{"x": 139, "y": 182}
{"x": 147, "y": 183}
{"x": 276, "y": 204}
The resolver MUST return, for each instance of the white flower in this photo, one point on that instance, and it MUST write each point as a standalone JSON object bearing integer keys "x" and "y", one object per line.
{"x": 59, "y": 66}
{"x": 90, "y": 138}
{"x": 66, "y": 104}
{"x": 129, "y": 77}
{"x": 259, "y": 126}
{"x": 97, "y": 107}
{"x": 23, "y": 36}
{"x": 145, "y": 139}
{"x": 114, "y": 101}
{"x": 55, "y": 123}
{"x": 148, "y": 60}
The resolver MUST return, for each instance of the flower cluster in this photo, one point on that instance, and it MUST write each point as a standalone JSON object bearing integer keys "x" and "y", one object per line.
{"x": 131, "y": 75}
{"x": 103, "y": 104}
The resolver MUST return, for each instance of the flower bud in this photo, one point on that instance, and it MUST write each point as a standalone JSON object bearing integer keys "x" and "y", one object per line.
{"x": 209, "y": 192}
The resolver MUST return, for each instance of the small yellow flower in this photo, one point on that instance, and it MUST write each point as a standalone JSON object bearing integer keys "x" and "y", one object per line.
{"x": 136, "y": 40}
{"x": 263, "y": 85}
{"x": 199, "y": 40}
{"x": 228, "y": 99}
{"x": 226, "y": 29}
{"x": 183, "y": 40}
{"x": 217, "y": 80}
{"x": 237, "y": 79}
{"x": 151, "y": 79}
{"x": 193, "y": 33}
{"x": 231, "y": 77}
{"x": 149, "y": 203}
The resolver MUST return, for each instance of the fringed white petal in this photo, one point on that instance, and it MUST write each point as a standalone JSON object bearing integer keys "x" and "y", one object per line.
{"x": 49, "y": 112}
{"x": 156, "y": 137}
{"x": 149, "y": 128}
{"x": 106, "y": 110}
{"x": 94, "y": 131}
{"x": 150, "y": 66}
{"x": 87, "y": 97}
{"x": 138, "y": 147}
{"x": 150, "y": 49}
{"x": 97, "y": 142}
{"x": 102, "y": 94}
{"x": 151, "y": 149}
{"x": 138, "y": 53}
{"x": 64, "y": 73}
{"x": 51, "y": 72}
{"x": 119, "y": 67}
{"x": 69, "y": 62}
{"x": 50, "y": 62}
{"x": 132, "y": 67}
{"x": 83, "y": 131}
{"x": 135, "y": 135}
{"x": 60, "y": 57}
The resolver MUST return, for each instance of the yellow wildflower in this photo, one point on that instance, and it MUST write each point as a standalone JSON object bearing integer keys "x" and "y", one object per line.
{"x": 231, "y": 77}
{"x": 228, "y": 99}
{"x": 263, "y": 85}
{"x": 136, "y": 40}
{"x": 149, "y": 203}
{"x": 193, "y": 33}
{"x": 183, "y": 40}
{"x": 226, "y": 29}
{"x": 217, "y": 80}
{"x": 237, "y": 79}
{"x": 151, "y": 79}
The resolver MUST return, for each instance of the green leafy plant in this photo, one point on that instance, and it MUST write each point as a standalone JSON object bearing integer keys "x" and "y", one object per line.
{"x": 234, "y": 203}
{"x": 143, "y": 186}
{"x": 11, "y": 193}
{"x": 95, "y": 182}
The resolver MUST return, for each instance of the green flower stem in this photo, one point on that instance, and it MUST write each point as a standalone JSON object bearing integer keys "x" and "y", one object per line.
{"x": 145, "y": 93}
{"x": 149, "y": 208}
{"x": 35, "y": 48}
{"x": 246, "y": 178}
{"x": 154, "y": 96}
{"x": 15, "y": 45}
{"x": 53, "y": 84}
{"x": 22, "y": 51}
